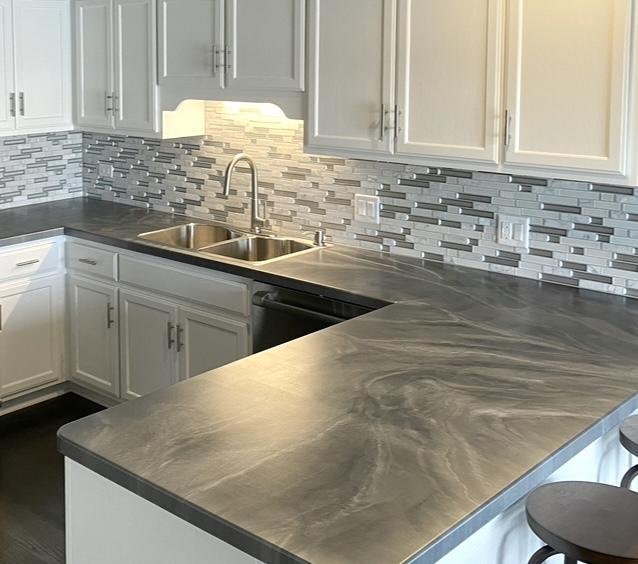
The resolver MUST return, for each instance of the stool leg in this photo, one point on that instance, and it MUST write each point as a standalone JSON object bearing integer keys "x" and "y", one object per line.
{"x": 629, "y": 477}
{"x": 543, "y": 554}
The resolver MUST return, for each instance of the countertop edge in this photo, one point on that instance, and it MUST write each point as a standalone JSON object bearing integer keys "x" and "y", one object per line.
{"x": 521, "y": 487}
{"x": 211, "y": 524}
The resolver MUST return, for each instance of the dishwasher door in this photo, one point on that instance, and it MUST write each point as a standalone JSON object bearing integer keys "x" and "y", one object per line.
{"x": 281, "y": 315}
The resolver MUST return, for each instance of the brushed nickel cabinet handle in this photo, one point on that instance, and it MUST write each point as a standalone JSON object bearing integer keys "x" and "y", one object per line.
{"x": 397, "y": 122}
{"x": 109, "y": 319}
{"x": 227, "y": 59}
{"x": 180, "y": 340}
{"x": 88, "y": 261}
{"x": 171, "y": 338}
{"x": 218, "y": 56}
{"x": 12, "y": 104}
{"x": 507, "y": 135}
{"x": 27, "y": 263}
{"x": 109, "y": 103}
{"x": 22, "y": 106}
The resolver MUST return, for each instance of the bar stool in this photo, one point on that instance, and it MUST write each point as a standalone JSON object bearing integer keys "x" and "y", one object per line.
{"x": 586, "y": 522}
{"x": 629, "y": 439}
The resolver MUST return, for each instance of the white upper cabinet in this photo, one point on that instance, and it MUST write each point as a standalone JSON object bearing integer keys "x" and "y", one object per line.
{"x": 569, "y": 83}
{"x": 265, "y": 44}
{"x": 535, "y": 87}
{"x": 7, "y": 90}
{"x": 93, "y": 51}
{"x": 190, "y": 35}
{"x": 351, "y": 82}
{"x": 116, "y": 73}
{"x": 449, "y": 78}
{"x": 35, "y": 66}
{"x": 43, "y": 69}
{"x": 135, "y": 90}
{"x": 234, "y": 50}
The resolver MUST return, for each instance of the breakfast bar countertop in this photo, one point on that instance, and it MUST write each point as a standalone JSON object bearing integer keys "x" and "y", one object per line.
{"x": 382, "y": 439}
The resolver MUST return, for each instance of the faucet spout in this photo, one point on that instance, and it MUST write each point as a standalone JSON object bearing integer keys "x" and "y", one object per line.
{"x": 256, "y": 221}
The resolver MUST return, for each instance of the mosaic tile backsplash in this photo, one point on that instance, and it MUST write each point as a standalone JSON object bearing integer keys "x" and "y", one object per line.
{"x": 40, "y": 168}
{"x": 582, "y": 234}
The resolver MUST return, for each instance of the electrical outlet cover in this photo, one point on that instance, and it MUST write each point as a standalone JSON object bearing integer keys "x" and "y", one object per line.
{"x": 367, "y": 208}
{"x": 513, "y": 231}
{"x": 105, "y": 170}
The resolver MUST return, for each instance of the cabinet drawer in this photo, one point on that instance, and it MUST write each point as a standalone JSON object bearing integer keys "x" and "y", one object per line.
{"x": 43, "y": 258}
{"x": 91, "y": 260}
{"x": 192, "y": 285}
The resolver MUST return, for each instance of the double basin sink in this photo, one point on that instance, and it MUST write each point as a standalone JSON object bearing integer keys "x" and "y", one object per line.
{"x": 223, "y": 242}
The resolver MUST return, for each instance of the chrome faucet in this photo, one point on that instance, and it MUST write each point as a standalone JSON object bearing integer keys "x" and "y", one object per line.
{"x": 256, "y": 221}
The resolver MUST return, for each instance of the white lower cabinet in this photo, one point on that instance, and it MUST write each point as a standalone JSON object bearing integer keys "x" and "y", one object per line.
{"x": 163, "y": 342}
{"x": 31, "y": 334}
{"x": 94, "y": 346}
{"x": 136, "y": 324}
{"x": 206, "y": 341}
{"x": 139, "y": 324}
{"x": 148, "y": 343}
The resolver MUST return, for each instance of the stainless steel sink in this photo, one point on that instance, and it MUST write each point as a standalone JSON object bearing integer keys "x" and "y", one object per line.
{"x": 192, "y": 236}
{"x": 259, "y": 249}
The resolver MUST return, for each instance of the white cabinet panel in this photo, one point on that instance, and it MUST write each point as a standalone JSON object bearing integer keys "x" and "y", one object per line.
{"x": 42, "y": 55}
{"x": 93, "y": 53}
{"x": 135, "y": 65}
{"x": 190, "y": 32}
{"x": 266, "y": 44}
{"x": 207, "y": 341}
{"x": 568, "y": 85}
{"x": 93, "y": 312}
{"x": 7, "y": 90}
{"x": 351, "y": 56}
{"x": 449, "y": 78}
{"x": 148, "y": 328}
{"x": 31, "y": 318}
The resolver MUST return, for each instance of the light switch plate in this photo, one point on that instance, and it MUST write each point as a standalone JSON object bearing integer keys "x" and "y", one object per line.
{"x": 367, "y": 208}
{"x": 513, "y": 231}
{"x": 105, "y": 170}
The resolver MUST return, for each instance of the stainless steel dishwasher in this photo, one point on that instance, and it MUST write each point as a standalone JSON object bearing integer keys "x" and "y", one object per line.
{"x": 281, "y": 315}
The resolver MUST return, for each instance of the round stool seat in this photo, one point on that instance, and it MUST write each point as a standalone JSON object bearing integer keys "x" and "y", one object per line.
{"x": 593, "y": 523}
{"x": 629, "y": 435}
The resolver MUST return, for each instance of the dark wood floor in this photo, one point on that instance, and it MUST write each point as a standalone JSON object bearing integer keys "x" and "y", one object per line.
{"x": 32, "y": 481}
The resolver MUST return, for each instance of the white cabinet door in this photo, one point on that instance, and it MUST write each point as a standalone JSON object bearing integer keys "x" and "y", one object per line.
{"x": 42, "y": 54}
{"x": 93, "y": 310}
{"x": 569, "y": 74}
{"x": 135, "y": 63}
{"x": 207, "y": 341}
{"x": 148, "y": 345}
{"x": 31, "y": 330}
{"x": 7, "y": 90}
{"x": 351, "y": 70}
{"x": 266, "y": 40}
{"x": 93, "y": 63}
{"x": 449, "y": 78}
{"x": 190, "y": 34}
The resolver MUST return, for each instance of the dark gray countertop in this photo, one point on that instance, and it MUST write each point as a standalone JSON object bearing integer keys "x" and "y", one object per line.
{"x": 387, "y": 438}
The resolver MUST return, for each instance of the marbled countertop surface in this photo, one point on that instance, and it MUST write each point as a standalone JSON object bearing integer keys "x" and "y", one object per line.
{"x": 388, "y": 438}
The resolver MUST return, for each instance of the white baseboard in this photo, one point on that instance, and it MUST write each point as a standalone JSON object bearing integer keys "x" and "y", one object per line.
{"x": 51, "y": 392}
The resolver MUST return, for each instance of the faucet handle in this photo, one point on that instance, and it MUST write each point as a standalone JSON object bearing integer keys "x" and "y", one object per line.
{"x": 320, "y": 238}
